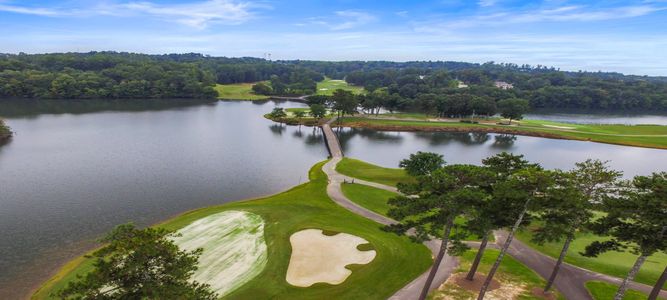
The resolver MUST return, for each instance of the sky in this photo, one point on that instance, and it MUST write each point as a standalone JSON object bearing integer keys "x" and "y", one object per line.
{"x": 620, "y": 36}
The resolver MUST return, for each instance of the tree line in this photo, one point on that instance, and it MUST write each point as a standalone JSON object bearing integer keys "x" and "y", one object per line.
{"x": 508, "y": 192}
{"x": 430, "y": 87}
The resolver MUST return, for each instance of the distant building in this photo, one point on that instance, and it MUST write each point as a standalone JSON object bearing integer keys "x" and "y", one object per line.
{"x": 461, "y": 84}
{"x": 422, "y": 77}
{"x": 503, "y": 85}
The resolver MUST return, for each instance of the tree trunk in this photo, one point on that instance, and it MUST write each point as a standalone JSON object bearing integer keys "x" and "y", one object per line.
{"x": 493, "y": 270}
{"x": 478, "y": 258}
{"x": 658, "y": 285}
{"x": 438, "y": 260}
{"x": 631, "y": 275}
{"x": 561, "y": 258}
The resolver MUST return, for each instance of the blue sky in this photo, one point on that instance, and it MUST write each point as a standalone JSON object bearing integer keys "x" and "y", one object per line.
{"x": 623, "y": 36}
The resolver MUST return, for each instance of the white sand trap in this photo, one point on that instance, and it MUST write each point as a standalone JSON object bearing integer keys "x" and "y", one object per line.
{"x": 320, "y": 258}
{"x": 559, "y": 127}
{"x": 234, "y": 248}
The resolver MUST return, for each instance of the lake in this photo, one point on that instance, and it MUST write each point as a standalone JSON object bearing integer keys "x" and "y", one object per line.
{"x": 75, "y": 169}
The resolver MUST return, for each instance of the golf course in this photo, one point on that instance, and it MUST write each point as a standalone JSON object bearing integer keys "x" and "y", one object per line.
{"x": 397, "y": 262}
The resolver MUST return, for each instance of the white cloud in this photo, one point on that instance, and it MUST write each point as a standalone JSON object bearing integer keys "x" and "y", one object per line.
{"x": 486, "y": 3}
{"x": 197, "y": 14}
{"x": 345, "y": 19}
{"x": 559, "y": 14}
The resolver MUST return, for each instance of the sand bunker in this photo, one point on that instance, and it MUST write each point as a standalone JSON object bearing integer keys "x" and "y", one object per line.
{"x": 234, "y": 248}
{"x": 320, "y": 258}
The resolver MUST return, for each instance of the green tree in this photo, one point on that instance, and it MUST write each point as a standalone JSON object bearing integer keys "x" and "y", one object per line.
{"x": 344, "y": 102}
{"x": 517, "y": 194}
{"x": 422, "y": 163}
{"x": 139, "y": 264}
{"x": 513, "y": 108}
{"x": 492, "y": 213}
{"x": 636, "y": 219}
{"x": 262, "y": 88}
{"x": 318, "y": 111}
{"x": 567, "y": 210}
{"x": 433, "y": 202}
{"x": 278, "y": 113}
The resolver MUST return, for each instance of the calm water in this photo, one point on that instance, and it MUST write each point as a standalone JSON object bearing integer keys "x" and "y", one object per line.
{"x": 76, "y": 169}
{"x": 611, "y": 118}
{"x": 73, "y": 171}
{"x": 388, "y": 148}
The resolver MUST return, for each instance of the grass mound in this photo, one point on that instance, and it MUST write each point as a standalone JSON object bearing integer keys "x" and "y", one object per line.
{"x": 238, "y": 91}
{"x": 369, "y": 172}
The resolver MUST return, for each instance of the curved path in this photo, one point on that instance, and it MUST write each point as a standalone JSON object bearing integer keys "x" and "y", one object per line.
{"x": 412, "y": 290}
{"x": 570, "y": 281}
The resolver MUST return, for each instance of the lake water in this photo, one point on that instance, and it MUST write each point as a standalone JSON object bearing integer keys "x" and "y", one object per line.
{"x": 76, "y": 169}
{"x": 388, "y": 148}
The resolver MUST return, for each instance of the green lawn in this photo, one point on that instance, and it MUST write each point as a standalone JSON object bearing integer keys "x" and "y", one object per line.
{"x": 651, "y": 136}
{"x": 238, "y": 91}
{"x": 510, "y": 272}
{"x": 398, "y": 260}
{"x": 603, "y": 291}
{"x": 328, "y": 86}
{"x": 611, "y": 263}
{"x": 371, "y": 198}
{"x": 365, "y": 171}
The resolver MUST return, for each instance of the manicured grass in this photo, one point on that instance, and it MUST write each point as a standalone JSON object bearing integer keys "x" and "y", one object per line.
{"x": 651, "y": 136}
{"x": 238, "y": 91}
{"x": 363, "y": 170}
{"x": 602, "y": 291}
{"x": 398, "y": 260}
{"x": 510, "y": 272}
{"x": 328, "y": 86}
{"x": 371, "y": 198}
{"x": 611, "y": 263}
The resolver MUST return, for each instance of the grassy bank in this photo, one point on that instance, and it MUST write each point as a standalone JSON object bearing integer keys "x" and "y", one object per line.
{"x": 650, "y": 136}
{"x": 602, "y": 291}
{"x": 611, "y": 263}
{"x": 328, "y": 86}
{"x": 369, "y": 172}
{"x": 398, "y": 260}
{"x": 371, "y": 198}
{"x": 238, "y": 91}
{"x": 511, "y": 273}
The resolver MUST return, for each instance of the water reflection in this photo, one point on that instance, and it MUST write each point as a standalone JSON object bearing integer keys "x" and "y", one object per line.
{"x": 471, "y": 148}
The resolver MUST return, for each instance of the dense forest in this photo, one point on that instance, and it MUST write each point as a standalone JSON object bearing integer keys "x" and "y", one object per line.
{"x": 438, "y": 87}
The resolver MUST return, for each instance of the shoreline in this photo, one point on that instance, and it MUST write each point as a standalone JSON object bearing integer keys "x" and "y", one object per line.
{"x": 68, "y": 265}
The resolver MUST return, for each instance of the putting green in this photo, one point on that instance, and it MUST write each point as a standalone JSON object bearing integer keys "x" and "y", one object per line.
{"x": 234, "y": 248}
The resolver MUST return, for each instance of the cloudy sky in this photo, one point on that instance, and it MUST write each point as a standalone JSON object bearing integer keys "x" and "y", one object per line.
{"x": 623, "y": 36}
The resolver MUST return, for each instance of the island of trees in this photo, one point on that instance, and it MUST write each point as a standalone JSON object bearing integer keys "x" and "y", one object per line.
{"x": 439, "y": 88}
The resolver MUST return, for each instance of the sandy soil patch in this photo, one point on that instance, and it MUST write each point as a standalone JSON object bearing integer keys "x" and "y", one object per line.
{"x": 320, "y": 258}
{"x": 457, "y": 288}
{"x": 559, "y": 127}
{"x": 234, "y": 248}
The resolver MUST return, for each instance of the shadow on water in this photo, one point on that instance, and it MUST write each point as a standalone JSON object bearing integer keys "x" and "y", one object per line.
{"x": 444, "y": 138}
{"x": 345, "y": 135}
{"x": 277, "y": 128}
{"x": 16, "y": 108}
{"x": 504, "y": 141}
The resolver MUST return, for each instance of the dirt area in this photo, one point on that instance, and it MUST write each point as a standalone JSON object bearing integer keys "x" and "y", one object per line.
{"x": 317, "y": 257}
{"x": 458, "y": 288}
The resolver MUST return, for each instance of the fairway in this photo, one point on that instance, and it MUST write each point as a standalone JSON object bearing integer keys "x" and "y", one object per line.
{"x": 234, "y": 248}
{"x": 369, "y": 172}
{"x": 398, "y": 260}
{"x": 371, "y": 198}
{"x": 328, "y": 86}
{"x": 238, "y": 91}
{"x": 611, "y": 263}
